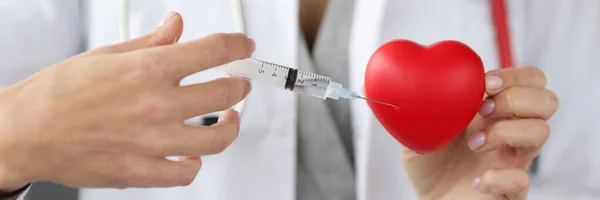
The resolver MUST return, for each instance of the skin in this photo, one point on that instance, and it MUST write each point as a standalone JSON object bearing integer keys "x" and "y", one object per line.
{"x": 107, "y": 118}
{"x": 491, "y": 164}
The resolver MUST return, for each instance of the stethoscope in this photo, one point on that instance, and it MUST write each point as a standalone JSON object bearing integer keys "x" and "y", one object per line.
{"x": 499, "y": 17}
{"x": 236, "y": 6}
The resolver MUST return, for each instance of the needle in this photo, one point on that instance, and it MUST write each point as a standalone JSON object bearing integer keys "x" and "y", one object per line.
{"x": 379, "y": 102}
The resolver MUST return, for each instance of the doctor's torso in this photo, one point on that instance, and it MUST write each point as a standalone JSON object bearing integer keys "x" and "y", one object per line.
{"x": 559, "y": 36}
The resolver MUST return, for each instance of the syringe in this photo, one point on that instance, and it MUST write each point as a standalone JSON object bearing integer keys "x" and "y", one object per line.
{"x": 292, "y": 79}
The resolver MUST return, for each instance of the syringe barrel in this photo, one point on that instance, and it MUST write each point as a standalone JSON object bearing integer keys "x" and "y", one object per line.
{"x": 289, "y": 79}
{"x": 257, "y": 71}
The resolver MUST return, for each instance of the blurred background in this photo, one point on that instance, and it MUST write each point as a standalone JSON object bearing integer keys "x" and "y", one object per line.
{"x": 561, "y": 37}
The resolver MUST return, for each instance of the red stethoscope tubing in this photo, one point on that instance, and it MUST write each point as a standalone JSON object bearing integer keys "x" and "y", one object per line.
{"x": 499, "y": 17}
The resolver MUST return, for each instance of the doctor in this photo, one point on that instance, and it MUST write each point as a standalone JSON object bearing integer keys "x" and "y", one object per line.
{"x": 264, "y": 161}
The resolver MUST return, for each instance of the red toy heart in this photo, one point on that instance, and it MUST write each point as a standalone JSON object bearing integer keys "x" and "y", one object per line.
{"x": 437, "y": 90}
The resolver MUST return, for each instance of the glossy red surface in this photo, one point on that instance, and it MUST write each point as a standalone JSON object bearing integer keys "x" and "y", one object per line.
{"x": 437, "y": 89}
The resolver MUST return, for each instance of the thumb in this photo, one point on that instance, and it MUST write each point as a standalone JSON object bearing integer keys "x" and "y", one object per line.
{"x": 168, "y": 32}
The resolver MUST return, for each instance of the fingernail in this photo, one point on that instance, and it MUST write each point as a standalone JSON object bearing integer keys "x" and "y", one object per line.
{"x": 168, "y": 17}
{"x": 493, "y": 82}
{"x": 176, "y": 40}
{"x": 487, "y": 107}
{"x": 252, "y": 44}
{"x": 476, "y": 141}
{"x": 476, "y": 182}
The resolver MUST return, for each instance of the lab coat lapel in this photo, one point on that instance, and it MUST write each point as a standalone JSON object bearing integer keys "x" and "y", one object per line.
{"x": 320, "y": 148}
{"x": 331, "y": 59}
{"x": 325, "y": 134}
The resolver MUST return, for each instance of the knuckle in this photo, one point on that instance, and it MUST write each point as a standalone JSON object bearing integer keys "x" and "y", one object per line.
{"x": 154, "y": 39}
{"x": 543, "y": 131}
{"x": 230, "y": 91}
{"x": 220, "y": 43}
{"x": 152, "y": 109}
{"x": 506, "y": 139}
{"x": 220, "y": 40}
{"x": 507, "y": 101}
{"x": 224, "y": 95}
{"x": 495, "y": 131}
{"x": 537, "y": 75}
{"x": 552, "y": 101}
{"x": 489, "y": 180}
{"x": 229, "y": 45}
{"x": 146, "y": 65}
{"x": 242, "y": 43}
{"x": 521, "y": 182}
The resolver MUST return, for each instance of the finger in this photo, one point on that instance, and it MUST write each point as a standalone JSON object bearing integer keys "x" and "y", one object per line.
{"x": 184, "y": 59}
{"x": 212, "y": 96}
{"x": 525, "y": 134}
{"x": 206, "y": 140}
{"x": 512, "y": 183}
{"x": 501, "y": 79}
{"x": 520, "y": 102}
{"x": 148, "y": 172}
{"x": 168, "y": 32}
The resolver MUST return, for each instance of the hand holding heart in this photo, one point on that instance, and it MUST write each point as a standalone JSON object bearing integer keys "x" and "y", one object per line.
{"x": 438, "y": 91}
{"x": 488, "y": 161}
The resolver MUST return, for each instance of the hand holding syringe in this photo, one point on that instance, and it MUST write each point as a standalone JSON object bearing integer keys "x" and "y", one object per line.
{"x": 292, "y": 79}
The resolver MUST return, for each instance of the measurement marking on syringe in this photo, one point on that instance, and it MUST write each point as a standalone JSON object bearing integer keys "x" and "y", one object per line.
{"x": 291, "y": 79}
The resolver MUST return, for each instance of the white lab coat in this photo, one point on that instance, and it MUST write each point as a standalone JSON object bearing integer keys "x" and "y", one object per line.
{"x": 562, "y": 37}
